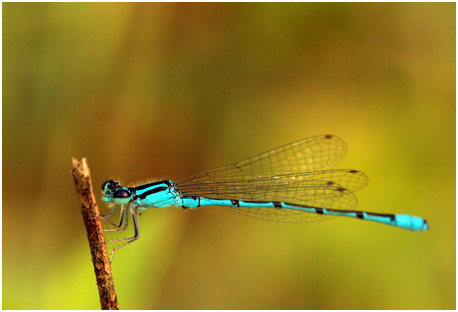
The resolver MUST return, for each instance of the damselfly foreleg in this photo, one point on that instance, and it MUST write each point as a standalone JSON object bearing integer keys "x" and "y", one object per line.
{"x": 121, "y": 220}
{"x": 134, "y": 215}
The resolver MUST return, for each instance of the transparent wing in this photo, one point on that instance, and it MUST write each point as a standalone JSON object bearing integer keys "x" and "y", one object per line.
{"x": 274, "y": 188}
{"x": 317, "y": 197}
{"x": 287, "y": 174}
{"x": 331, "y": 189}
{"x": 310, "y": 154}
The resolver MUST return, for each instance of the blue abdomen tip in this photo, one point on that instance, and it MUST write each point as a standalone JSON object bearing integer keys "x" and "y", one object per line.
{"x": 411, "y": 223}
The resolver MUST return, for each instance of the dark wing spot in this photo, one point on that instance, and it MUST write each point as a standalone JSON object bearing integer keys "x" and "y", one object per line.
{"x": 341, "y": 189}
{"x": 353, "y": 171}
{"x": 328, "y": 136}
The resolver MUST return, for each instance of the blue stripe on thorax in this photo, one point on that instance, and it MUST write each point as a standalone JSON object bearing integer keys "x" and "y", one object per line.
{"x": 150, "y": 187}
{"x": 157, "y": 194}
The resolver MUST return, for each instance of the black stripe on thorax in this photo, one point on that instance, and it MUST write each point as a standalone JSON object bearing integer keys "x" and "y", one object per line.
{"x": 156, "y": 190}
{"x": 145, "y": 186}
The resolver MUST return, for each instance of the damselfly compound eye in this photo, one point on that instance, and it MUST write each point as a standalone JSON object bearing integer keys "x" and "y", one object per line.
{"x": 111, "y": 184}
{"x": 122, "y": 193}
{"x": 105, "y": 184}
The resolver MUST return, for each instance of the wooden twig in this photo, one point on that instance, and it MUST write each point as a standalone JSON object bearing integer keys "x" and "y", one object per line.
{"x": 95, "y": 235}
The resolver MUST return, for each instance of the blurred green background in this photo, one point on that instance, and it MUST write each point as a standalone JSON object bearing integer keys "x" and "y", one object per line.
{"x": 168, "y": 90}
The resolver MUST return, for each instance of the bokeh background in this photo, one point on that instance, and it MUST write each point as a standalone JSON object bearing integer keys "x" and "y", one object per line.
{"x": 168, "y": 90}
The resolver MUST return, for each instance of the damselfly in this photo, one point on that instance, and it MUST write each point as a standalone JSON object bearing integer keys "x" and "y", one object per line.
{"x": 291, "y": 183}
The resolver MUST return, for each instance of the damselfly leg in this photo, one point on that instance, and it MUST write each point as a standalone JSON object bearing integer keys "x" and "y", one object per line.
{"x": 121, "y": 220}
{"x": 134, "y": 214}
{"x": 124, "y": 215}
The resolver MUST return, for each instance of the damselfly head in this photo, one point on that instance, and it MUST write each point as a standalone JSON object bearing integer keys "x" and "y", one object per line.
{"x": 114, "y": 192}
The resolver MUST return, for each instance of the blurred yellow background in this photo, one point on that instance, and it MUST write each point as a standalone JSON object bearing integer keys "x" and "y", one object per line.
{"x": 168, "y": 90}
